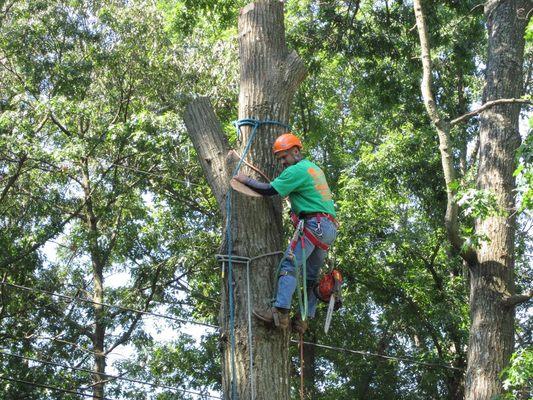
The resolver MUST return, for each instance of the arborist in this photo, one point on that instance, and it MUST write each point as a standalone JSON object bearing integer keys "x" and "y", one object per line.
{"x": 313, "y": 212}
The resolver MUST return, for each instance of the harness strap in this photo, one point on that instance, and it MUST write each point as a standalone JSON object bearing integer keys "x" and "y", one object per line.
{"x": 308, "y": 234}
{"x": 321, "y": 215}
{"x": 285, "y": 273}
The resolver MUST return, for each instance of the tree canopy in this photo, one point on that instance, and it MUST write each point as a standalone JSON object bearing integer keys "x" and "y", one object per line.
{"x": 109, "y": 228}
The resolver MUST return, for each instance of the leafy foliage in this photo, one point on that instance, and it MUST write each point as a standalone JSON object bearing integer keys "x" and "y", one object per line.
{"x": 96, "y": 170}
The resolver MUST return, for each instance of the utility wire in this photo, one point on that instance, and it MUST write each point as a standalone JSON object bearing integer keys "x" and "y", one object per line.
{"x": 62, "y": 296}
{"x": 76, "y": 346}
{"x": 107, "y": 376}
{"x": 57, "y": 389}
{"x": 367, "y": 353}
{"x": 364, "y": 353}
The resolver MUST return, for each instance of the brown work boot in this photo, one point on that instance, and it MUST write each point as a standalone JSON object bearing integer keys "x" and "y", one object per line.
{"x": 297, "y": 325}
{"x": 274, "y": 316}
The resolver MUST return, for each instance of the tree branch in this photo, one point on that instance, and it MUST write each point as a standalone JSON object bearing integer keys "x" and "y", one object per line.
{"x": 487, "y": 105}
{"x": 59, "y": 124}
{"x": 210, "y": 143}
{"x": 126, "y": 335}
{"x": 14, "y": 177}
{"x": 41, "y": 124}
{"x": 445, "y": 146}
{"x": 295, "y": 72}
{"x": 515, "y": 300}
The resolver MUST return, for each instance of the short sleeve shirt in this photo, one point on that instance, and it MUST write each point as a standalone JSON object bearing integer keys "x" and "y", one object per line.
{"x": 306, "y": 186}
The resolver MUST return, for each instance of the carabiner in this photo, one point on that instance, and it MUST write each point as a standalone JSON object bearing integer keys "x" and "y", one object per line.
{"x": 300, "y": 227}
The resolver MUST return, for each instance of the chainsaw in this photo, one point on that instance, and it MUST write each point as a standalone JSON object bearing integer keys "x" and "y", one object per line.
{"x": 328, "y": 290}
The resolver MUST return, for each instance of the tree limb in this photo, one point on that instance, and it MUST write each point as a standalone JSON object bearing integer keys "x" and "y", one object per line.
{"x": 59, "y": 124}
{"x": 126, "y": 335}
{"x": 41, "y": 124}
{"x": 445, "y": 146}
{"x": 515, "y": 300}
{"x": 487, "y": 105}
{"x": 210, "y": 143}
{"x": 14, "y": 177}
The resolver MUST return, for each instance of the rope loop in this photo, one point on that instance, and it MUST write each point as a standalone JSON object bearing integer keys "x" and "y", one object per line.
{"x": 256, "y": 123}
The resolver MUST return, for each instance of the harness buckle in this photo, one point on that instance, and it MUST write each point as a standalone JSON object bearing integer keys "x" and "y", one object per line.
{"x": 300, "y": 226}
{"x": 319, "y": 232}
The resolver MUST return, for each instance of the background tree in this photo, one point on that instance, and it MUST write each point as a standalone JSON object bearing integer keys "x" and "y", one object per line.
{"x": 88, "y": 132}
{"x": 491, "y": 261}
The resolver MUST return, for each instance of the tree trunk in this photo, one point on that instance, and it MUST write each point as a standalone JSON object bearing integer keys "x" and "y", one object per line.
{"x": 98, "y": 336}
{"x": 269, "y": 77}
{"x": 309, "y": 352}
{"x": 492, "y": 332}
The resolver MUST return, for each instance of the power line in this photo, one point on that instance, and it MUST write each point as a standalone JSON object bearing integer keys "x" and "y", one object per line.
{"x": 75, "y": 345}
{"x": 158, "y": 175}
{"x": 364, "y": 353}
{"x": 62, "y": 296}
{"x": 107, "y": 376}
{"x": 57, "y": 389}
{"x": 367, "y": 353}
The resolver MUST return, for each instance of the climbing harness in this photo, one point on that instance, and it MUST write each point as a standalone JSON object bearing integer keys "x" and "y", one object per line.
{"x": 307, "y": 232}
{"x": 298, "y": 236}
{"x": 229, "y": 241}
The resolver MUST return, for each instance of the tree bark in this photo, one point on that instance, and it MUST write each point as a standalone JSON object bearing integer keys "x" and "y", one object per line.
{"x": 492, "y": 278}
{"x": 269, "y": 77}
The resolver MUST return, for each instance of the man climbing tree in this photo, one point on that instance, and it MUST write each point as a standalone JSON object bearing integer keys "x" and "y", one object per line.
{"x": 313, "y": 215}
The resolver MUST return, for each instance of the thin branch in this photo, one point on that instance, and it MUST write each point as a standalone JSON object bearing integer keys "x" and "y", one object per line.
{"x": 14, "y": 177}
{"x": 487, "y": 105}
{"x": 6, "y": 10}
{"x": 517, "y": 299}
{"x": 445, "y": 145}
{"x": 41, "y": 124}
{"x": 126, "y": 336}
{"x": 59, "y": 124}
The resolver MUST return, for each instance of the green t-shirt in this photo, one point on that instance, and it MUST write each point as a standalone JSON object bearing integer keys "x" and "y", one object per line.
{"x": 306, "y": 186}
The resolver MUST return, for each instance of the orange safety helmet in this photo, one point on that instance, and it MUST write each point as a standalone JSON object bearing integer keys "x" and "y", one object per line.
{"x": 285, "y": 142}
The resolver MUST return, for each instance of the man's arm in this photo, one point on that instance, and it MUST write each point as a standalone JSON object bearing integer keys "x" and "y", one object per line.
{"x": 262, "y": 188}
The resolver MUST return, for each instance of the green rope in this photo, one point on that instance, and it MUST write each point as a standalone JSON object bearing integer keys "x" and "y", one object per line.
{"x": 303, "y": 304}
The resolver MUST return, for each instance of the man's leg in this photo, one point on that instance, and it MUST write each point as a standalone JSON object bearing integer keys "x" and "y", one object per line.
{"x": 287, "y": 277}
{"x": 286, "y": 285}
{"x": 325, "y": 231}
{"x": 315, "y": 262}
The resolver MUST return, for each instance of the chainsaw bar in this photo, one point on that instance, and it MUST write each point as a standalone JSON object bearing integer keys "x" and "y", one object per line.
{"x": 331, "y": 306}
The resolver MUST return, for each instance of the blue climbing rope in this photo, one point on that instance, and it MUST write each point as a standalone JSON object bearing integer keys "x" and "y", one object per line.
{"x": 255, "y": 124}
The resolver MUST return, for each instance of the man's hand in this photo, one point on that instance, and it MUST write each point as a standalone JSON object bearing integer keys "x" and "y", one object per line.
{"x": 241, "y": 178}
